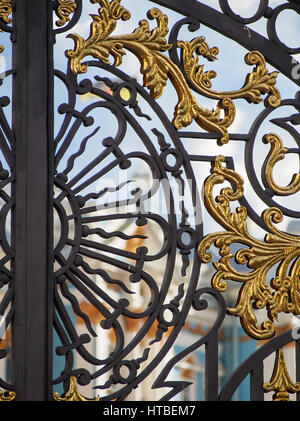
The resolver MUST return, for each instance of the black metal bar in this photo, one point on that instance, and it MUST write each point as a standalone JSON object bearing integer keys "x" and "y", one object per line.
{"x": 256, "y": 383}
{"x": 225, "y": 25}
{"x": 253, "y": 360}
{"x": 211, "y": 368}
{"x": 32, "y": 225}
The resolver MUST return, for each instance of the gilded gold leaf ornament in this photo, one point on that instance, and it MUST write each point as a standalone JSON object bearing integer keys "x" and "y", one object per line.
{"x": 6, "y": 10}
{"x": 280, "y": 250}
{"x": 7, "y": 396}
{"x": 257, "y": 82}
{"x": 97, "y": 44}
{"x": 157, "y": 68}
{"x": 277, "y": 153}
{"x": 281, "y": 382}
{"x": 64, "y": 9}
{"x": 73, "y": 394}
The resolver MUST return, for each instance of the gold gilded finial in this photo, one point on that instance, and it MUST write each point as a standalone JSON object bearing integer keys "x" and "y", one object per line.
{"x": 281, "y": 382}
{"x": 157, "y": 68}
{"x": 73, "y": 394}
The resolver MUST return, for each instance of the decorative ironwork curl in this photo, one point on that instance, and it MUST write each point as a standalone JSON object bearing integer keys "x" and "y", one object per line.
{"x": 210, "y": 339}
{"x": 242, "y": 34}
{"x": 260, "y": 12}
{"x": 132, "y": 366}
{"x": 7, "y": 252}
{"x": 272, "y": 15}
{"x": 74, "y": 269}
{"x": 172, "y": 307}
{"x": 264, "y": 189}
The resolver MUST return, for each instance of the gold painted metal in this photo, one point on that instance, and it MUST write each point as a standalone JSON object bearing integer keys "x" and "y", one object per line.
{"x": 64, "y": 10}
{"x": 280, "y": 250}
{"x": 6, "y": 10}
{"x": 257, "y": 82}
{"x": 7, "y": 396}
{"x": 73, "y": 394}
{"x": 281, "y": 382}
{"x": 149, "y": 45}
{"x": 277, "y": 153}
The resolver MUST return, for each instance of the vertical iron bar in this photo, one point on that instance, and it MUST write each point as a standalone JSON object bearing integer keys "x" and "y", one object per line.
{"x": 256, "y": 383}
{"x": 211, "y": 368}
{"x": 33, "y": 188}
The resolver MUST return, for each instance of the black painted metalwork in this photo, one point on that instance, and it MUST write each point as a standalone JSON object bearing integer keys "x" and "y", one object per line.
{"x": 39, "y": 161}
{"x": 32, "y": 190}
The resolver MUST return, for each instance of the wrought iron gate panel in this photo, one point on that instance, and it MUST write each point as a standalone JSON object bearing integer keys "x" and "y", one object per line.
{"x": 140, "y": 200}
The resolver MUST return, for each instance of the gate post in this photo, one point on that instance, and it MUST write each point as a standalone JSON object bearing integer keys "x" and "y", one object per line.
{"x": 33, "y": 191}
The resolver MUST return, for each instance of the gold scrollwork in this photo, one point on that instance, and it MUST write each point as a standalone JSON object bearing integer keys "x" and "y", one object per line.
{"x": 277, "y": 153}
{"x": 149, "y": 45}
{"x": 64, "y": 10}
{"x": 257, "y": 82}
{"x": 281, "y": 382}
{"x": 6, "y": 10}
{"x": 7, "y": 396}
{"x": 282, "y": 293}
{"x": 73, "y": 394}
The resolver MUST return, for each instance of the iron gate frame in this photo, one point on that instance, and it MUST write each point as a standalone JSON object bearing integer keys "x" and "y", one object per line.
{"x": 33, "y": 39}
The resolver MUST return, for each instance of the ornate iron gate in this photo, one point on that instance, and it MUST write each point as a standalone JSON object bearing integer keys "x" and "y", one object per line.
{"x": 110, "y": 218}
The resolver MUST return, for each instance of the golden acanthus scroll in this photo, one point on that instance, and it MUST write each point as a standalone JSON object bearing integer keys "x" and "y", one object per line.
{"x": 157, "y": 68}
{"x": 64, "y": 9}
{"x": 279, "y": 249}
